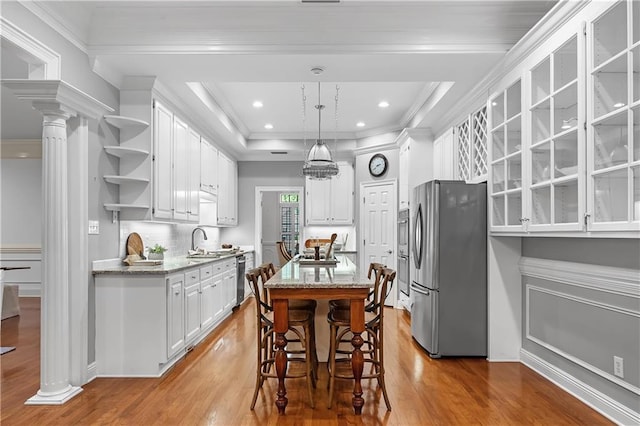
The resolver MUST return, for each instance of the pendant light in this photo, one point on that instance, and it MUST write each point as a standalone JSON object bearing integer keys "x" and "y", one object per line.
{"x": 319, "y": 165}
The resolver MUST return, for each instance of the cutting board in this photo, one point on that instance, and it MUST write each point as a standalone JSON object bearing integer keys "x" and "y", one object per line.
{"x": 134, "y": 245}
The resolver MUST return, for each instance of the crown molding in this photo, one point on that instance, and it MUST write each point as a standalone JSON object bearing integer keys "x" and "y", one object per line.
{"x": 224, "y": 105}
{"x": 558, "y": 16}
{"x": 419, "y": 103}
{"x": 58, "y": 23}
{"x": 418, "y": 134}
{"x": 58, "y": 92}
{"x": 31, "y": 50}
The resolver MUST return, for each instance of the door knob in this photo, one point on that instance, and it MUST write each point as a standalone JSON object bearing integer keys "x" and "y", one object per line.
{"x": 389, "y": 251}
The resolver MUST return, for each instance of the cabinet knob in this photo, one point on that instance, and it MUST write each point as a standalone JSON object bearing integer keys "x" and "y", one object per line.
{"x": 177, "y": 292}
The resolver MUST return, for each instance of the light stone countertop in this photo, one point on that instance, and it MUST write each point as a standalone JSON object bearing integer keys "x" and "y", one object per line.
{"x": 170, "y": 265}
{"x": 345, "y": 274}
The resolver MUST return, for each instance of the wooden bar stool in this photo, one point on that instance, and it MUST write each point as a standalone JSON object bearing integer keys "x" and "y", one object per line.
{"x": 265, "y": 337}
{"x": 374, "y": 327}
{"x": 295, "y": 305}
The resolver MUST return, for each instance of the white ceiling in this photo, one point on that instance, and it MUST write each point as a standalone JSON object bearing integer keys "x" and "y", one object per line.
{"x": 219, "y": 56}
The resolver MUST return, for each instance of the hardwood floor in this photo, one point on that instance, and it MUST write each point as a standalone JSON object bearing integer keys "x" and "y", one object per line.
{"x": 214, "y": 384}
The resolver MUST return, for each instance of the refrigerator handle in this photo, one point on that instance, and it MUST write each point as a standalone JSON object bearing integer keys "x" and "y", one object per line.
{"x": 417, "y": 238}
{"x": 419, "y": 290}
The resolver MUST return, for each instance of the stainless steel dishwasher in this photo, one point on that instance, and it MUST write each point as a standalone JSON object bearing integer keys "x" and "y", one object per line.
{"x": 240, "y": 264}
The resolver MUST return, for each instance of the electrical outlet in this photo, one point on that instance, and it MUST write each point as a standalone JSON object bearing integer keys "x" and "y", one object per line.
{"x": 618, "y": 366}
{"x": 94, "y": 227}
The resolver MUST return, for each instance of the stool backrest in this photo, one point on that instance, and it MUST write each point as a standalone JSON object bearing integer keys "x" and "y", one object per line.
{"x": 283, "y": 254}
{"x": 254, "y": 276}
{"x": 384, "y": 284}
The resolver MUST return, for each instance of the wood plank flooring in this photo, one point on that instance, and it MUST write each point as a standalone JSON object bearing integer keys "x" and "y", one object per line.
{"x": 214, "y": 384}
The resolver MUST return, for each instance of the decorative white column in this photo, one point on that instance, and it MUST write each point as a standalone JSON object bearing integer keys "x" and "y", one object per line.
{"x": 55, "y": 387}
{"x": 63, "y": 349}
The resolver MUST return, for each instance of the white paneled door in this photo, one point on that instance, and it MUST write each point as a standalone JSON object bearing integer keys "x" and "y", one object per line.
{"x": 378, "y": 219}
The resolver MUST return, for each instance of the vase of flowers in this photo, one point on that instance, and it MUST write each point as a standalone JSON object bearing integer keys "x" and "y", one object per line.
{"x": 156, "y": 252}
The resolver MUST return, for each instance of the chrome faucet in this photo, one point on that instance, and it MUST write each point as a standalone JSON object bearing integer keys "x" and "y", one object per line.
{"x": 193, "y": 234}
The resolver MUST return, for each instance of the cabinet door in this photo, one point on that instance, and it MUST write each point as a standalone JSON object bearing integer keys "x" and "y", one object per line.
{"x": 180, "y": 168}
{"x": 342, "y": 196}
{"x": 555, "y": 159}
{"x": 192, "y": 304}
{"x": 208, "y": 168}
{"x": 193, "y": 205}
{"x": 613, "y": 139}
{"x": 505, "y": 161}
{"x": 403, "y": 176}
{"x": 162, "y": 161}
{"x": 224, "y": 189}
{"x": 175, "y": 314}
{"x": 218, "y": 296}
{"x": 207, "y": 303}
{"x": 318, "y": 201}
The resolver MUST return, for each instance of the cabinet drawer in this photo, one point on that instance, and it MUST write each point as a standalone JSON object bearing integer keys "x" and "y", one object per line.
{"x": 218, "y": 267}
{"x": 191, "y": 276}
{"x": 206, "y": 272}
{"x": 230, "y": 264}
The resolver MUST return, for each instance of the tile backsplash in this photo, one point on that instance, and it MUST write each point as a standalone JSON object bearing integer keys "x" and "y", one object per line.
{"x": 175, "y": 237}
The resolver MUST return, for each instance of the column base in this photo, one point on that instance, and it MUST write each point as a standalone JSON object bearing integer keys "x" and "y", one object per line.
{"x": 57, "y": 399}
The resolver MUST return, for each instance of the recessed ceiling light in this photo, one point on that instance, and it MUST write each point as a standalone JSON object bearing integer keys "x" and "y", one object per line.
{"x": 618, "y": 104}
{"x": 360, "y": 124}
{"x": 257, "y": 104}
{"x": 268, "y": 126}
{"x": 383, "y": 104}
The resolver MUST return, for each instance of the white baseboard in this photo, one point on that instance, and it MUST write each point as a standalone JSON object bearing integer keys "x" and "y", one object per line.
{"x": 585, "y": 393}
{"x": 92, "y": 372}
{"x": 29, "y": 289}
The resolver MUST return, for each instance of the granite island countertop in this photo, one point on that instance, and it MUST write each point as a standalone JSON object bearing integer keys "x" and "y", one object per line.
{"x": 344, "y": 274}
{"x": 169, "y": 266}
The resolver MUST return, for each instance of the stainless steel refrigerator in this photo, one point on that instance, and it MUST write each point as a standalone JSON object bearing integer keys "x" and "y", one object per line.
{"x": 449, "y": 276}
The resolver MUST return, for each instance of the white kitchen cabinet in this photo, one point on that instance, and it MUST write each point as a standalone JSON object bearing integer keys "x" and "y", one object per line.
{"x": 227, "y": 191}
{"x": 163, "y": 162}
{"x": 208, "y": 168}
{"x": 180, "y": 169}
{"x": 443, "y": 154}
{"x": 613, "y": 138}
{"x": 415, "y": 161}
{"x": 330, "y": 201}
{"x": 229, "y": 285}
{"x": 175, "y": 314}
{"x": 193, "y": 185}
{"x": 192, "y": 294}
{"x": 218, "y": 295}
{"x": 249, "y": 265}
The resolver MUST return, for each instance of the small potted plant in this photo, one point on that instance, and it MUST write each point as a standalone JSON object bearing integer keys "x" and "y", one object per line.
{"x": 156, "y": 252}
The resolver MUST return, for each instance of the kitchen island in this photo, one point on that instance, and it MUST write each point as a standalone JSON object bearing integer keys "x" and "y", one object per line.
{"x": 149, "y": 317}
{"x": 343, "y": 280}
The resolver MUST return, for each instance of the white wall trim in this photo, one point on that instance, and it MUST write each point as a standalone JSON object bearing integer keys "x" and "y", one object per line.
{"x": 92, "y": 372}
{"x": 585, "y": 393}
{"x": 32, "y": 51}
{"x": 56, "y": 22}
{"x": 20, "y": 249}
{"x": 595, "y": 370}
{"x": 621, "y": 281}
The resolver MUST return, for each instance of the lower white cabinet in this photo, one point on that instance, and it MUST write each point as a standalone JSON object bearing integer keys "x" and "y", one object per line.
{"x": 146, "y": 322}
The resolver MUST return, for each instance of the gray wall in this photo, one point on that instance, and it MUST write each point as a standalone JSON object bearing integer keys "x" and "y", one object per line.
{"x": 250, "y": 175}
{"x": 21, "y": 200}
{"x": 590, "y": 325}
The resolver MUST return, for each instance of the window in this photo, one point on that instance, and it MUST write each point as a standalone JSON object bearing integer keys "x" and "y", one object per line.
{"x": 290, "y": 222}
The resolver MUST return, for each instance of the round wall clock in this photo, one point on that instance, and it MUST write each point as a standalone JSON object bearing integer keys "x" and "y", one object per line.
{"x": 378, "y": 165}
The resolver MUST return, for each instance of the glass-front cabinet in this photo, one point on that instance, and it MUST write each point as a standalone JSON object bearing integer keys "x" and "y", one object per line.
{"x": 506, "y": 208}
{"x": 555, "y": 157}
{"x": 570, "y": 162}
{"x": 613, "y": 163}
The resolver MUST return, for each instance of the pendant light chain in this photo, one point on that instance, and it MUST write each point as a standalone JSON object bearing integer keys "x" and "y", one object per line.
{"x": 304, "y": 119}
{"x": 335, "y": 134}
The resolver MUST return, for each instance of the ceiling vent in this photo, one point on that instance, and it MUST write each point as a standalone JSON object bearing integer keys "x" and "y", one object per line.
{"x": 279, "y": 152}
{"x": 320, "y": 1}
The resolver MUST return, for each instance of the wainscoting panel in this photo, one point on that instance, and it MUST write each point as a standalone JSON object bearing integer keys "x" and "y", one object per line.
{"x": 577, "y": 317}
{"x": 28, "y": 280}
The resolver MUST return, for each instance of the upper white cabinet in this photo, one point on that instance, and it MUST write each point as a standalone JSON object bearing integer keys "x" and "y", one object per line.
{"x": 415, "y": 146}
{"x": 227, "y": 190}
{"x": 330, "y": 202}
{"x": 506, "y": 159}
{"x": 208, "y": 168}
{"x": 176, "y": 167}
{"x": 613, "y": 139}
{"x": 570, "y": 162}
{"x": 443, "y": 156}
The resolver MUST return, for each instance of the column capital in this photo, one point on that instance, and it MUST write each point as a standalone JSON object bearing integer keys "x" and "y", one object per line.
{"x": 56, "y": 95}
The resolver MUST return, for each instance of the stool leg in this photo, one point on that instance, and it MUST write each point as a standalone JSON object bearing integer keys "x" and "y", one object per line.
{"x": 332, "y": 362}
{"x": 309, "y": 363}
